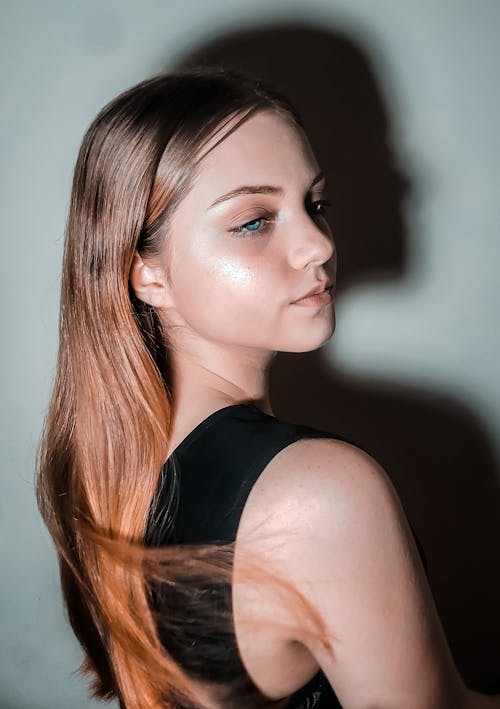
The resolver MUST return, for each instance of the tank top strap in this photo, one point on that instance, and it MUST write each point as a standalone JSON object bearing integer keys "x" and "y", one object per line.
{"x": 201, "y": 494}
{"x": 218, "y": 463}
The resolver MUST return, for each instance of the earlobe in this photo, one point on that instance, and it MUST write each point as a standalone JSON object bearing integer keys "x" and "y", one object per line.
{"x": 147, "y": 281}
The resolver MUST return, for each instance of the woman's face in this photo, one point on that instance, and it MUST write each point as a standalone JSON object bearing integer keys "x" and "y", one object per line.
{"x": 237, "y": 263}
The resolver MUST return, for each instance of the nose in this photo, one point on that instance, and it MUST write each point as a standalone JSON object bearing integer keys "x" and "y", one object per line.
{"x": 311, "y": 242}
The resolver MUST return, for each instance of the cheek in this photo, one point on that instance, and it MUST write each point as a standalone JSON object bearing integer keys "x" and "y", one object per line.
{"x": 231, "y": 275}
{"x": 226, "y": 290}
{"x": 221, "y": 292}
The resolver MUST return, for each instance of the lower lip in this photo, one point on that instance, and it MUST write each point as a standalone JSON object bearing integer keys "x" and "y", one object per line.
{"x": 322, "y": 298}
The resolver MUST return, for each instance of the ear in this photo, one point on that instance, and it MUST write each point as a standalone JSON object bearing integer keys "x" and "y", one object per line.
{"x": 148, "y": 282}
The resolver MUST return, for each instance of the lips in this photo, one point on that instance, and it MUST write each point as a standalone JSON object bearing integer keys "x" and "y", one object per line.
{"x": 318, "y": 288}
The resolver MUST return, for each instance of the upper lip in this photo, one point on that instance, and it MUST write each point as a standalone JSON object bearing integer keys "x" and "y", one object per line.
{"x": 318, "y": 288}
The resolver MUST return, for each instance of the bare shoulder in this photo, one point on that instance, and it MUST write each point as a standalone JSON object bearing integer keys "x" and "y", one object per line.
{"x": 325, "y": 516}
{"x": 317, "y": 483}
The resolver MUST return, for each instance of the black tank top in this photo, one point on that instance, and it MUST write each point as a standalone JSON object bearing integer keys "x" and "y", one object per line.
{"x": 206, "y": 481}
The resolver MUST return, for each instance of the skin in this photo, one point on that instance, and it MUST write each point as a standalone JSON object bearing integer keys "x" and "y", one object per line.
{"x": 337, "y": 528}
{"x": 227, "y": 306}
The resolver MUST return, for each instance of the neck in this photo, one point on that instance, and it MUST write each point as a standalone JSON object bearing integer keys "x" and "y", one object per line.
{"x": 215, "y": 376}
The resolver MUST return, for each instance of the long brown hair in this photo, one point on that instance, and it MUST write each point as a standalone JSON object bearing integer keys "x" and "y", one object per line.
{"x": 106, "y": 432}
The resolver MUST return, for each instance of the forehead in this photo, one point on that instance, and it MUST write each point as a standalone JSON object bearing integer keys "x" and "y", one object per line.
{"x": 267, "y": 148}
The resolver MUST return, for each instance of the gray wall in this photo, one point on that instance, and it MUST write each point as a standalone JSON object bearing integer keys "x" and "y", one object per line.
{"x": 435, "y": 328}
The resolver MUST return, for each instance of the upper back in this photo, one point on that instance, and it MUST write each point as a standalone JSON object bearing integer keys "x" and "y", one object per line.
{"x": 217, "y": 464}
{"x": 207, "y": 481}
{"x": 217, "y": 468}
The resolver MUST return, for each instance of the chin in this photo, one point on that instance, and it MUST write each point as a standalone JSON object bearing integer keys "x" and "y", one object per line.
{"x": 308, "y": 341}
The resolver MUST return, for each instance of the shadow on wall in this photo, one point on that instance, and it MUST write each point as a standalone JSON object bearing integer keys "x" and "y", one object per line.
{"x": 431, "y": 446}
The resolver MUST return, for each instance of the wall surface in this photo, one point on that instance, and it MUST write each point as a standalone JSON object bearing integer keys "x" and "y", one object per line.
{"x": 425, "y": 322}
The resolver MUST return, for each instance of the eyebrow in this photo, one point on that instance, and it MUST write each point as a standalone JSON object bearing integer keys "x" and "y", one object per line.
{"x": 259, "y": 189}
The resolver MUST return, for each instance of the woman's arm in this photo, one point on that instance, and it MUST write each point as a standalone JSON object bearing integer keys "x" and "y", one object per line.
{"x": 350, "y": 551}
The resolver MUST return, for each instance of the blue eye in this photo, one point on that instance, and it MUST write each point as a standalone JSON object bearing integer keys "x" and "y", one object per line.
{"x": 251, "y": 227}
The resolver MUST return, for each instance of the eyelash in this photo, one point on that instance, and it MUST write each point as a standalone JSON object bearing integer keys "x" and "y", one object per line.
{"x": 322, "y": 203}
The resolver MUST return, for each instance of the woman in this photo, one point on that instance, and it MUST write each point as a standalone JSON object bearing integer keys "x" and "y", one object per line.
{"x": 210, "y": 554}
